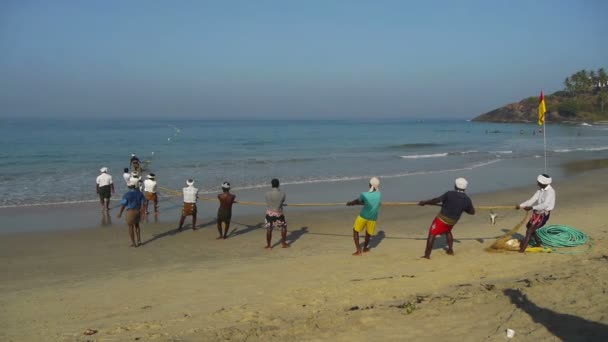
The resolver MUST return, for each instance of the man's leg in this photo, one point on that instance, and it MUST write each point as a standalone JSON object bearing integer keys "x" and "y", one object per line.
{"x": 107, "y": 202}
{"x": 156, "y": 204}
{"x": 429, "y": 246}
{"x": 356, "y": 240}
{"x": 366, "y": 244}
{"x": 268, "y": 237}
{"x": 284, "y": 236}
{"x": 132, "y": 234}
{"x": 137, "y": 234}
{"x": 226, "y": 229}
{"x": 524, "y": 245}
{"x": 219, "y": 228}
{"x": 450, "y": 238}
{"x": 194, "y": 221}
{"x": 181, "y": 222}
{"x": 536, "y": 238}
{"x": 146, "y": 203}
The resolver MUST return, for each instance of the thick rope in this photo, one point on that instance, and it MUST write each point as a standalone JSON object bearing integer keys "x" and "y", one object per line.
{"x": 559, "y": 236}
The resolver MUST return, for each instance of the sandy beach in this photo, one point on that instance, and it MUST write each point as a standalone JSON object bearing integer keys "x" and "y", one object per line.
{"x": 188, "y": 286}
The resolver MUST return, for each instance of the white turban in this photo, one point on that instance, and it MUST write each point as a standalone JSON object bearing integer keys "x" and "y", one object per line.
{"x": 189, "y": 182}
{"x": 225, "y": 185}
{"x": 374, "y": 184}
{"x": 544, "y": 180}
{"x": 461, "y": 183}
{"x": 103, "y": 169}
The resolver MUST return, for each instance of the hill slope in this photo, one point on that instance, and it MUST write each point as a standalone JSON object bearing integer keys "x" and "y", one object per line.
{"x": 561, "y": 107}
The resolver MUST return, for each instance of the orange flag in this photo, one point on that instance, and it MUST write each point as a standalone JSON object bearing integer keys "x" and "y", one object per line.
{"x": 542, "y": 109}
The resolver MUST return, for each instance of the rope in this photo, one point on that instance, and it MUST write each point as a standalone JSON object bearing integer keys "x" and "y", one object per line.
{"x": 340, "y": 204}
{"x": 559, "y": 236}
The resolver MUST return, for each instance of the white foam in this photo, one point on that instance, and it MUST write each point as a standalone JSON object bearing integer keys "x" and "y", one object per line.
{"x": 417, "y": 156}
{"x": 583, "y": 149}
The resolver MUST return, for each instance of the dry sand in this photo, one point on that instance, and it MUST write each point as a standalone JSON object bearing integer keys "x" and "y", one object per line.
{"x": 189, "y": 286}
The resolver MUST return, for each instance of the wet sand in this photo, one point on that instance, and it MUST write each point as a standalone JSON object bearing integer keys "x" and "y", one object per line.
{"x": 188, "y": 286}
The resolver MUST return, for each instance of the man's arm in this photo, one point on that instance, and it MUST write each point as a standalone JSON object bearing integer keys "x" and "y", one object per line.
{"x": 433, "y": 201}
{"x": 527, "y": 205}
{"x": 356, "y": 201}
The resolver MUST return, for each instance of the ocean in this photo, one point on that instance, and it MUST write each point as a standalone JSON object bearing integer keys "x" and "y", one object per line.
{"x": 51, "y": 162}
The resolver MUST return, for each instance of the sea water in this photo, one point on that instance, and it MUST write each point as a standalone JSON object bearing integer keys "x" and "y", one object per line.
{"x": 48, "y": 162}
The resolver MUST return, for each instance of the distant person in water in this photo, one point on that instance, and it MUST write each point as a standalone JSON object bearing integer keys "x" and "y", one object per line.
{"x": 371, "y": 201}
{"x": 224, "y": 212}
{"x": 150, "y": 192}
{"x": 135, "y": 163}
{"x": 453, "y": 204}
{"x": 104, "y": 188}
{"x": 541, "y": 204}
{"x": 133, "y": 201}
{"x": 189, "y": 209}
{"x": 275, "y": 200}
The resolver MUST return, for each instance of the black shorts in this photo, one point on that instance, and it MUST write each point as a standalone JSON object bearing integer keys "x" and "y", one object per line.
{"x": 105, "y": 192}
{"x": 224, "y": 215}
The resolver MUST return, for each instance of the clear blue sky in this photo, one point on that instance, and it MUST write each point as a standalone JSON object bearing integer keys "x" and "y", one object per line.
{"x": 290, "y": 59}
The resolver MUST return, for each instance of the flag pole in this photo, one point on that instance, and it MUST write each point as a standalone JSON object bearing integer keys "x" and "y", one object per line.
{"x": 545, "y": 142}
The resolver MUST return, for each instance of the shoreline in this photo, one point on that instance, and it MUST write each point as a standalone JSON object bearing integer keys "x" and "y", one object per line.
{"x": 86, "y": 216}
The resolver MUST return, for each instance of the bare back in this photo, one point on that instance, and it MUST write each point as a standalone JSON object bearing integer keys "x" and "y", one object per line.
{"x": 226, "y": 200}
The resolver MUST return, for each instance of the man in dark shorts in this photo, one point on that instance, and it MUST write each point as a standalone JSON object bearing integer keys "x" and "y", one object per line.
{"x": 275, "y": 200}
{"x": 104, "y": 188}
{"x": 224, "y": 212}
{"x": 541, "y": 204}
{"x": 133, "y": 201}
{"x": 453, "y": 204}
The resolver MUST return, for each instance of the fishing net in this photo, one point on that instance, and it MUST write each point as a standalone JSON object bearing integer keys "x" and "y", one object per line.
{"x": 507, "y": 242}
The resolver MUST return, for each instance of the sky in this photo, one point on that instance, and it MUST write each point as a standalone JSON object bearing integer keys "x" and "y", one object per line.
{"x": 308, "y": 59}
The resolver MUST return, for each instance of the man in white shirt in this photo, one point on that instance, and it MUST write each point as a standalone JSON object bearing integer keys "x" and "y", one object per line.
{"x": 104, "y": 188}
{"x": 126, "y": 175}
{"x": 189, "y": 209}
{"x": 541, "y": 204}
{"x": 150, "y": 192}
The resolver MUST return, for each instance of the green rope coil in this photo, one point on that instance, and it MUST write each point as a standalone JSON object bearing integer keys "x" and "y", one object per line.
{"x": 558, "y": 236}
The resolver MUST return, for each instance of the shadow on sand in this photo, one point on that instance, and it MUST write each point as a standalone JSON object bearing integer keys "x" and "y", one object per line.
{"x": 563, "y": 326}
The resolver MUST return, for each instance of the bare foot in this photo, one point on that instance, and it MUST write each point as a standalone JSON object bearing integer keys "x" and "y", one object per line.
{"x": 366, "y": 249}
{"x": 450, "y": 252}
{"x": 225, "y": 237}
{"x": 193, "y": 229}
{"x": 268, "y": 247}
{"x": 426, "y": 257}
{"x": 284, "y": 245}
{"x": 357, "y": 253}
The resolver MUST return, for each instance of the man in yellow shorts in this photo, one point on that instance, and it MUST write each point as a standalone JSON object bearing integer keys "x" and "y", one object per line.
{"x": 368, "y": 216}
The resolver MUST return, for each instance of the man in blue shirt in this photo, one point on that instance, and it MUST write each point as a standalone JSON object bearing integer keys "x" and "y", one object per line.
{"x": 368, "y": 216}
{"x": 453, "y": 204}
{"x": 133, "y": 201}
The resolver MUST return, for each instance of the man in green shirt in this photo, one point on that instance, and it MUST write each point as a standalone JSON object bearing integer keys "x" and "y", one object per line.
{"x": 368, "y": 216}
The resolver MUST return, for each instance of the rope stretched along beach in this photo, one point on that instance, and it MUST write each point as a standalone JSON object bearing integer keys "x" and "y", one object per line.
{"x": 384, "y": 204}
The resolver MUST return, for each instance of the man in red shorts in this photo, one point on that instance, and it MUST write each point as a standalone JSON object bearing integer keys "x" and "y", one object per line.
{"x": 453, "y": 203}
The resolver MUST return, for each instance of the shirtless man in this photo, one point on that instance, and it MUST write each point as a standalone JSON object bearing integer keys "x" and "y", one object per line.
{"x": 224, "y": 212}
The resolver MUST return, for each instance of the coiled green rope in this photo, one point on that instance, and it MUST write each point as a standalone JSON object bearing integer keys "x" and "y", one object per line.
{"x": 557, "y": 236}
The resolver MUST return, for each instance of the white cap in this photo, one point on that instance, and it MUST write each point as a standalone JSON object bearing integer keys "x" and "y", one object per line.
{"x": 190, "y": 182}
{"x": 103, "y": 169}
{"x": 225, "y": 185}
{"x": 374, "y": 184}
{"x": 132, "y": 182}
{"x": 132, "y": 154}
{"x": 461, "y": 183}
{"x": 544, "y": 179}
{"x": 151, "y": 176}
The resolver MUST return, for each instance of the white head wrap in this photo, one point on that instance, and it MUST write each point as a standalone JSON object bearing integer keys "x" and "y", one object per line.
{"x": 374, "y": 184}
{"x": 461, "y": 183}
{"x": 544, "y": 180}
{"x": 190, "y": 182}
{"x": 103, "y": 169}
{"x": 225, "y": 185}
